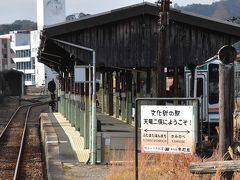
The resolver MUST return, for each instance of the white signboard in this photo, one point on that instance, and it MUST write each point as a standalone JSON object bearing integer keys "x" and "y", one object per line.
{"x": 80, "y": 74}
{"x": 167, "y": 129}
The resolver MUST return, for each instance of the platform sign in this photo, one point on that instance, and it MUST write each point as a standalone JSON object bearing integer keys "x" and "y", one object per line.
{"x": 167, "y": 129}
{"x": 80, "y": 74}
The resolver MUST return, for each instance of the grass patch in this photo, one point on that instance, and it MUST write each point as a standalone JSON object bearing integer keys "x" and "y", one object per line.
{"x": 160, "y": 166}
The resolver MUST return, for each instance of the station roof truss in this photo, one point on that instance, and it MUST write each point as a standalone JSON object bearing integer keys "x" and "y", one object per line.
{"x": 130, "y": 37}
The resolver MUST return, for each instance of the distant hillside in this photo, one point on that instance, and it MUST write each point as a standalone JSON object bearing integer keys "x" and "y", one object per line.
{"x": 224, "y": 9}
{"x": 18, "y": 25}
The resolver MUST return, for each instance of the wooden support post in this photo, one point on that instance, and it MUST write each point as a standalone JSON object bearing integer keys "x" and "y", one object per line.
{"x": 58, "y": 97}
{"x": 123, "y": 105}
{"x": 64, "y": 104}
{"x": 106, "y": 94}
{"x": 87, "y": 114}
{"x": 102, "y": 90}
{"x": 153, "y": 83}
{"x": 77, "y": 115}
{"x": 110, "y": 94}
{"x": 226, "y": 105}
{"x": 82, "y": 110}
{"x": 61, "y": 103}
{"x": 67, "y": 99}
{"x": 222, "y": 132}
{"x": 65, "y": 96}
{"x": 86, "y": 123}
{"x": 117, "y": 88}
{"x": 163, "y": 47}
{"x": 74, "y": 105}
{"x": 67, "y": 108}
{"x": 61, "y": 93}
{"x": 161, "y": 81}
{"x": 129, "y": 98}
{"x": 71, "y": 110}
{"x": 138, "y": 85}
{"x": 129, "y": 107}
{"x": 117, "y": 105}
{"x": 77, "y": 107}
{"x": 82, "y": 116}
{"x": 123, "y": 96}
{"x": 70, "y": 101}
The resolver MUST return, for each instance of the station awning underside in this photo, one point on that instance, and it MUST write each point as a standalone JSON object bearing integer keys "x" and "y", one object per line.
{"x": 130, "y": 38}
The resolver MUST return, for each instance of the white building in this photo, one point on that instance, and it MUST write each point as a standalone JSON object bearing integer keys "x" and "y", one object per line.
{"x": 19, "y": 49}
{"x": 21, "y": 45}
{"x": 39, "y": 67}
{"x": 49, "y": 12}
{"x": 6, "y": 53}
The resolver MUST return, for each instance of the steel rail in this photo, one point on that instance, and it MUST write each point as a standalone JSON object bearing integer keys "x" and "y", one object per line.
{"x": 24, "y": 130}
{"x": 21, "y": 145}
{"x": 16, "y": 171}
{"x": 10, "y": 120}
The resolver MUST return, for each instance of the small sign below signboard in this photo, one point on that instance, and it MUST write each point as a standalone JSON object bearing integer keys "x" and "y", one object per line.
{"x": 80, "y": 74}
{"x": 167, "y": 129}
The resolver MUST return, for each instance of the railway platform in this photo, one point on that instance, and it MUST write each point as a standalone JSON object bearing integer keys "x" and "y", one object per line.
{"x": 64, "y": 145}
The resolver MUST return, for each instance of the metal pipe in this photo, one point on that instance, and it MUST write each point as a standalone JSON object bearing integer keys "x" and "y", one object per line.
{"x": 89, "y": 109}
{"x": 136, "y": 138}
{"x": 94, "y": 119}
{"x": 71, "y": 44}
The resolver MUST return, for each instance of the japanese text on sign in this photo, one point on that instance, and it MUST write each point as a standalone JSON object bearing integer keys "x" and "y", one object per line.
{"x": 166, "y": 128}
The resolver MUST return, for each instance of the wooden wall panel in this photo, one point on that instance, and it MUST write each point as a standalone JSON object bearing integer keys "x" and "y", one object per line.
{"x": 134, "y": 42}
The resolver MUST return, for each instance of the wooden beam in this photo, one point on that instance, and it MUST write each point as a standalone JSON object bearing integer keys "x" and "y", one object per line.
{"x": 214, "y": 166}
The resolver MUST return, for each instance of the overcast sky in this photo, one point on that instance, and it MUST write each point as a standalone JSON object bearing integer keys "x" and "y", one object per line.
{"x": 11, "y": 10}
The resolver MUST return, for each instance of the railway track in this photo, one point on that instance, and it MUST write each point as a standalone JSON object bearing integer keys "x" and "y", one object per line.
{"x": 20, "y": 156}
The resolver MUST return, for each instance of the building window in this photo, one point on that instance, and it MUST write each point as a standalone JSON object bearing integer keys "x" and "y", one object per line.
{"x": 28, "y": 77}
{"x": 24, "y": 65}
{"x": 23, "y": 53}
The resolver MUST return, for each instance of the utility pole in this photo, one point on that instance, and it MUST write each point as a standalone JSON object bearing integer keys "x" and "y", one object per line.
{"x": 227, "y": 55}
{"x": 163, "y": 45}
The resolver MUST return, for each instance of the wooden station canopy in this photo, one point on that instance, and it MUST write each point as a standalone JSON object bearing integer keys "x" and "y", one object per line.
{"x": 129, "y": 37}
